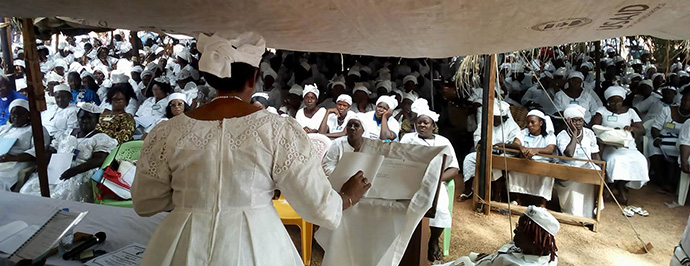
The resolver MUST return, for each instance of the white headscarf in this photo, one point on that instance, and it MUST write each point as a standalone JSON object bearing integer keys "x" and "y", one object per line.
{"x": 574, "y": 111}
{"x": 91, "y": 108}
{"x": 576, "y": 74}
{"x": 61, "y": 87}
{"x": 386, "y": 84}
{"x": 615, "y": 91}
{"x": 501, "y": 108}
{"x": 389, "y": 100}
{"x": 310, "y": 88}
{"x": 361, "y": 87}
{"x": 177, "y": 96}
{"x": 345, "y": 98}
{"x": 421, "y": 107}
{"x": 410, "y": 78}
{"x": 19, "y": 103}
{"x": 543, "y": 218}
{"x": 261, "y": 94}
{"x": 547, "y": 120}
{"x": 296, "y": 90}
{"x": 220, "y": 50}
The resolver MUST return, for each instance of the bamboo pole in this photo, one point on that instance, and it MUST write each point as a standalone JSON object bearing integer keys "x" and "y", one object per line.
{"x": 37, "y": 102}
{"x": 8, "y": 63}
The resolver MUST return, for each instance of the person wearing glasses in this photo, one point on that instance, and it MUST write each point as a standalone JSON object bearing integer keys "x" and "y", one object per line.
{"x": 116, "y": 122}
{"x": 177, "y": 105}
{"x": 351, "y": 142}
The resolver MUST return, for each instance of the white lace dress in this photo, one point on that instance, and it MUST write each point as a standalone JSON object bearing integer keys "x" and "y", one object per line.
{"x": 24, "y": 142}
{"x": 78, "y": 187}
{"x": 218, "y": 178}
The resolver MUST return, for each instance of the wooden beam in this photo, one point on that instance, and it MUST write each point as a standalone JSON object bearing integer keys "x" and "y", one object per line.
{"x": 8, "y": 63}
{"x": 37, "y": 101}
{"x": 561, "y": 217}
{"x": 486, "y": 150}
{"x": 560, "y": 171}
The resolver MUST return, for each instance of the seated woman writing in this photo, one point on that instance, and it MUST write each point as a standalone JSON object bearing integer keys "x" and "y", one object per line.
{"x": 536, "y": 138}
{"x": 626, "y": 167}
{"x": 534, "y": 243}
{"x": 424, "y": 135}
{"x": 89, "y": 147}
{"x": 579, "y": 142}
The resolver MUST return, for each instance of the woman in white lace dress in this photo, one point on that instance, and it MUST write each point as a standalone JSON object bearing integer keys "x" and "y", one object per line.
{"x": 216, "y": 168}
{"x": 89, "y": 146}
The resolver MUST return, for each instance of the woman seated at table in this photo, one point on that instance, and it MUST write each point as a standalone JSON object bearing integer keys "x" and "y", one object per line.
{"x": 579, "y": 142}
{"x": 19, "y": 131}
{"x": 89, "y": 147}
{"x": 424, "y": 135}
{"x": 626, "y": 167}
{"x": 348, "y": 143}
{"x": 536, "y": 138}
{"x": 311, "y": 115}
{"x": 380, "y": 123}
{"x": 663, "y": 152}
{"x": 117, "y": 123}
{"x": 335, "y": 120}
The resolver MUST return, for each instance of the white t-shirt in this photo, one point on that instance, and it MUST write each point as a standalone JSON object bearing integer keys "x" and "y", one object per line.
{"x": 314, "y": 122}
{"x": 372, "y": 128}
{"x": 335, "y": 152}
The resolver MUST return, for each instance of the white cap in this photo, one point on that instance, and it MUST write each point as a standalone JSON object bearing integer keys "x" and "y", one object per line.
{"x": 410, "y": 78}
{"x": 648, "y": 82}
{"x": 667, "y": 87}
{"x": 184, "y": 54}
{"x": 61, "y": 87}
{"x": 388, "y": 100}
{"x": 615, "y": 91}
{"x": 501, "y": 108}
{"x": 53, "y": 77}
{"x": 421, "y": 107}
{"x": 137, "y": 69}
{"x": 90, "y": 107}
{"x": 543, "y": 218}
{"x": 296, "y": 90}
{"x": 270, "y": 72}
{"x": 177, "y": 96}
{"x": 220, "y": 50}
{"x": 310, "y": 88}
{"x": 344, "y": 98}
{"x": 261, "y": 94}
{"x": 361, "y": 87}
{"x": 576, "y": 74}
{"x": 20, "y": 103}
{"x": 386, "y": 84}
{"x": 574, "y": 111}
{"x": 354, "y": 71}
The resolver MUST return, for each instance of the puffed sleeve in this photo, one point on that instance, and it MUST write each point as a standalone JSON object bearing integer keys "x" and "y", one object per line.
{"x": 152, "y": 191}
{"x": 297, "y": 172}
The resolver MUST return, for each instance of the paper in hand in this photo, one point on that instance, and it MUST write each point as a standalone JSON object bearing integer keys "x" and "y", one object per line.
{"x": 59, "y": 163}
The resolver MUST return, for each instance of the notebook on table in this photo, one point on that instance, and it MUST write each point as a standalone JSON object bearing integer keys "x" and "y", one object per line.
{"x": 47, "y": 236}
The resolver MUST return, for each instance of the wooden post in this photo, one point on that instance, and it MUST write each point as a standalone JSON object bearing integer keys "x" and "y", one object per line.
{"x": 8, "y": 63}
{"x": 134, "y": 40}
{"x": 597, "y": 69}
{"x": 482, "y": 178}
{"x": 37, "y": 102}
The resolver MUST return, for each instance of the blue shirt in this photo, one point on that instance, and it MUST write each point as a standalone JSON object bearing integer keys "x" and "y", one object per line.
{"x": 86, "y": 96}
{"x": 5, "y": 106}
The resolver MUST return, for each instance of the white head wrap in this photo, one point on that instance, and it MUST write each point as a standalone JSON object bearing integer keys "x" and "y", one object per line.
{"x": 365, "y": 69}
{"x": 146, "y": 72}
{"x": 137, "y": 69}
{"x": 361, "y": 87}
{"x": 657, "y": 75}
{"x": 388, "y": 100}
{"x": 574, "y": 111}
{"x": 546, "y": 74}
{"x": 19, "y": 62}
{"x": 20, "y": 84}
{"x": 296, "y": 90}
{"x": 547, "y": 120}
{"x": 344, "y": 98}
{"x": 411, "y": 96}
{"x": 19, "y": 102}
{"x": 75, "y": 67}
{"x": 85, "y": 74}
{"x": 562, "y": 71}
{"x": 636, "y": 62}
{"x": 399, "y": 92}
{"x": 60, "y": 63}
{"x": 91, "y": 108}
{"x": 53, "y": 77}
{"x": 386, "y": 84}
{"x": 118, "y": 78}
{"x": 635, "y": 75}
{"x": 220, "y": 50}
{"x": 184, "y": 54}
{"x": 576, "y": 74}
{"x": 410, "y": 78}
{"x": 668, "y": 87}
{"x": 270, "y": 72}
{"x": 501, "y": 108}
{"x": 102, "y": 69}
{"x": 683, "y": 73}
{"x": 177, "y": 96}
{"x": 421, "y": 107}
{"x": 337, "y": 82}
{"x": 61, "y": 87}
{"x": 261, "y": 94}
{"x": 354, "y": 71}
{"x": 615, "y": 91}
{"x": 543, "y": 218}
{"x": 310, "y": 88}
{"x": 647, "y": 82}
{"x": 588, "y": 65}
{"x": 504, "y": 66}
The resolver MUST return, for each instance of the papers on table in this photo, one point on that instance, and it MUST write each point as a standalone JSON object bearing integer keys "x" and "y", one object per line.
{"x": 15, "y": 235}
{"x": 6, "y": 144}
{"x": 146, "y": 121}
{"x": 128, "y": 256}
{"x": 59, "y": 163}
{"x": 390, "y": 178}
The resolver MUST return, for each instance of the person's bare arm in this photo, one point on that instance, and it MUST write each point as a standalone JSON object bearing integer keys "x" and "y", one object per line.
{"x": 684, "y": 153}
{"x": 95, "y": 161}
{"x": 323, "y": 128}
{"x": 450, "y": 174}
{"x": 596, "y": 120}
{"x": 386, "y": 133}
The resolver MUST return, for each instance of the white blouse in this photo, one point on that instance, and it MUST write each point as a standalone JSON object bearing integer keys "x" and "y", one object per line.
{"x": 154, "y": 108}
{"x": 56, "y": 119}
{"x": 332, "y": 122}
{"x": 314, "y": 122}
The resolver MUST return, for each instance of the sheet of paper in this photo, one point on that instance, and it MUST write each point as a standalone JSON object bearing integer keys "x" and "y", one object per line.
{"x": 8, "y": 230}
{"x": 49, "y": 235}
{"x": 59, "y": 163}
{"x": 146, "y": 121}
{"x": 351, "y": 163}
{"x": 129, "y": 176}
{"x": 6, "y": 144}
{"x": 11, "y": 244}
{"x": 397, "y": 179}
{"x": 128, "y": 256}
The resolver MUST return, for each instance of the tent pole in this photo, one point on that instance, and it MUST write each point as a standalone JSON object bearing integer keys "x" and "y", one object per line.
{"x": 37, "y": 102}
{"x": 597, "y": 68}
{"x": 7, "y": 53}
{"x": 485, "y": 143}
{"x": 135, "y": 47}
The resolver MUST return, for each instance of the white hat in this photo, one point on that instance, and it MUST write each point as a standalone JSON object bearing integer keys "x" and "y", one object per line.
{"x": 543, "y": 218}
{"x": 118, "y": 78}
{"x": 410, "y": 78}
{"x": 617, "y": 59}
{"x": 344, "y": 98}
{"x": 337, "y": 82}
{"x": 634, "y": 75}
{"x": 76, "y": 67}
{"x": 636, "y": 62}
{"x": 561, "y": 71}
{"x": 270, "y": 72}
{"x": 547, "y": 120}
{"x": 220, "y": 50}
{"x": 60, "y": 63}
{"x": 361, "y": 87}
{"x": 296, "y": 90}
{"x": 90, "y": 107}
{"x": 19, "y": 62}
{"x": 137, "y": 69}
{"x": 146, "y": 72}
{"x": 588, "y": 65}
{"x": 261, "y": 94}
{"x": 386, "y": 84}
{"x": 102, "y": 69}
{"x": 20, "y": 84}
{"x": 647, "y": 82}
{"x": 85, "y": 74}
{"x": 615, "y": 91}
{"x": 177, "y": 96}
{"x": 388, "y": 100}
{"x": 61, "y": 87}
{"x": 657, "y": 75}
{"x": 421, "y": 107}
{"x": 184, "y": 54}
{"x": 354, "y": 71}
{"x": 410, "y": 96}
{"x": 576, "y": 74}
{"x": 53, "y": 77}
{"x": 501, "y": 108}
{"x": 20, "y": 103}
{"x": 574, "y": 111}
{"x": 310, "y": 88}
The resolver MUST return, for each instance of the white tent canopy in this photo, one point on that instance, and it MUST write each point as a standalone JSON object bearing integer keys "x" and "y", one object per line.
{"x": 406, "y": 28}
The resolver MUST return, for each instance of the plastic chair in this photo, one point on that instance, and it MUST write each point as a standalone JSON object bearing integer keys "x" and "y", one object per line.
{"x": 446, "y": 232}
{"x": 683, "y": 188}
{"x": 127, "y": 151}
{"x": 289, "y": 217}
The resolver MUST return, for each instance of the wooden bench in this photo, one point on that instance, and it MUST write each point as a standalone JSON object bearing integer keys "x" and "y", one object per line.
{"x": 558, "y": 171}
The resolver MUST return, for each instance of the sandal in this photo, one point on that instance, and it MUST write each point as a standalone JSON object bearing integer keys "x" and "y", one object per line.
{"x": 639, "y": 211}
{"x": 628, "y": 212}
{"x": 464, "y": 197}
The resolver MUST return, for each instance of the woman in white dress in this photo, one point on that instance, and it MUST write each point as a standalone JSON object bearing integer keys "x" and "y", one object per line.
{"x": 89, "y": 146}
{"x": 311, "y": 115}
{"x": 237, "y": 155}
{"x": 335, "y": 120}
{"x": 154, "y": 105}
{"x": 351, "y": 142}
{"x": 424, "y": 135}
{"x": 360, "y": 95}
{"x": 380, "y": 124}
{"x": 536, "y": 138}
{"x": 663, "y": 152}
{"x": 626, "y": 167}
{"x": 576, "y": 94}
{"x": 19, "y": 129}
{"x": 62, "y": 115}
{"x": 577, "y": 198}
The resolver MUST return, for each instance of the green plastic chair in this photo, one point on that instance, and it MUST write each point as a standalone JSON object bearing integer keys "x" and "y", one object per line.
{"x": 446, "y": 232}
{"x": 128, "y": 151}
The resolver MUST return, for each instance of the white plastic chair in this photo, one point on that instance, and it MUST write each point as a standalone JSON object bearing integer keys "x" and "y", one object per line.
{"x": 320, "y": 144}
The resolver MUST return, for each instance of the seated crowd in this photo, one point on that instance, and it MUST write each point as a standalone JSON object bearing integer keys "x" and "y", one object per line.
{"x": 98, "y": 97}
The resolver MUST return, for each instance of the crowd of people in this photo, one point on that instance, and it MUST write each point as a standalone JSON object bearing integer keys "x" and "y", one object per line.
{"x": 100, "y": 94}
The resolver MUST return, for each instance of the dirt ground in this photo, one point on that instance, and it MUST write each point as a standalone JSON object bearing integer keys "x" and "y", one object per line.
{"x": 614, "y": 244}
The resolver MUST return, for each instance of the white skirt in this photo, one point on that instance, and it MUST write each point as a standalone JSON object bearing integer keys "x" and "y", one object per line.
{"x": 535, "y": 185}
{"x": 443, "y": 218}
{"x": 626, "y": 165}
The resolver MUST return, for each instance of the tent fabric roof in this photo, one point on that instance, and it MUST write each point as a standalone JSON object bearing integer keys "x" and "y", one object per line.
{"x": 406, "y": 28}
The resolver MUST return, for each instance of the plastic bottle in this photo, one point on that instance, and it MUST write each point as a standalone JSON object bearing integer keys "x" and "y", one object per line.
{"x": 66, "y": 240}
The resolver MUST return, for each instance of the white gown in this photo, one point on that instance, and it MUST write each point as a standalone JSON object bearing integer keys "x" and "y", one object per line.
{"x": 314, "y": 122}
{"x": 332, "y": 122}
{"x": 224, "y": 214}
{"x": 623, "y": 163}
{"x": 77, "y": 188}
{"x": 578, "y": 198}
{"x": 670, "y": 130}
{"x": 334, "y": 153}
{"x": 540, "y": 186}
{"x": 585, "y": 100}
{"x": 10, "y": 170}
{"x": 443, "y": 218}
{"x": 56, "y": 119}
